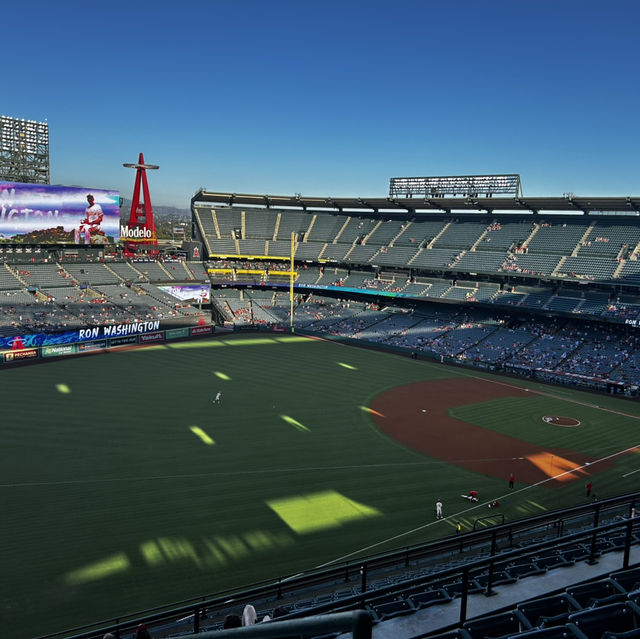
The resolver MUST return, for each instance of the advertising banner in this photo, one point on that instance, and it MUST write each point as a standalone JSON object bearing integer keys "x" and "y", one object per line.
{"x": 152, "y": 337}
{"x": 202, "y": 330}
{"x": 41, "y": 213}
{"x": 175, "y": 333}
{"x": 82, "y": 335}
{"x": 54, "y": 351}
{"x": 98, "y": 345}
{"x": 15, "y": 356}
{"x": 123, "y": 341}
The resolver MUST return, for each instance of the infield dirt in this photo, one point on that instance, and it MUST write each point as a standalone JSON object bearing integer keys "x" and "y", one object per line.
{"x": 438, "y": 435}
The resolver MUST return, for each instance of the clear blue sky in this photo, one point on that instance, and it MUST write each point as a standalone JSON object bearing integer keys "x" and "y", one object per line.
{"x": 329, "y": 97}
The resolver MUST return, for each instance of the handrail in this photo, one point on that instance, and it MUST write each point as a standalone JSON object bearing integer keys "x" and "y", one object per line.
{"x": 278, "y": 589}
{"x": 358, "y": 622}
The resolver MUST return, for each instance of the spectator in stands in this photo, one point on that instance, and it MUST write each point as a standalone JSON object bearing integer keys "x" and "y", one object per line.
{"x": 142, "y": 632}
{"x": 249, "y": 615}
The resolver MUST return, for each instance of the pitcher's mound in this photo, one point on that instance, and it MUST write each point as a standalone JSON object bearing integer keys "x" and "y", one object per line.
{"x": 567, "y": 422}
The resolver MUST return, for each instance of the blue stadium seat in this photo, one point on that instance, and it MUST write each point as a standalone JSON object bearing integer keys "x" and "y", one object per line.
{"x": 597, "y": 593}
{"x": 557, "y": 632}
{"x": 549, "y": 611}
{"x": 553, "y": 560}
{"x": 454, "y": 589}
{"x": 614, "y": 618}
{"x": 575, "y": 553}
{"x": 630, "y": 634}
{"x": 524, "y": 569}
{"x": 498, "y": 577}
{"x": 389, "y": 608}
{"x": 500, "y": 625}
{"x": 628, "y": 579}
{"x": 459, "y": 633}
{"x": 425, "y": 598}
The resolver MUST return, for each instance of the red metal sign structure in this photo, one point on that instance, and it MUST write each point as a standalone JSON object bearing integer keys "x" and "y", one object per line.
{"x": 141, "y": 230}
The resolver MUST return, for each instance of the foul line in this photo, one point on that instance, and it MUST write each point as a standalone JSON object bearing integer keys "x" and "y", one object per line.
{"x": 462, "y": 512}
{"x": 259, "y": 472}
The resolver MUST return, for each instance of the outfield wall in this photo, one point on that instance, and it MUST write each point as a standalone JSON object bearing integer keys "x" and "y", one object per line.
{"x": 102, "y": 344}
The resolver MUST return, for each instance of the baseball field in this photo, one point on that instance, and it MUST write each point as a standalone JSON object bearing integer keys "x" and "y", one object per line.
{"x": 124, "y": 485}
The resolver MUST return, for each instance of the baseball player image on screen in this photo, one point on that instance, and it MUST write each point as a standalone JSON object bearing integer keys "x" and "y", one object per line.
{"x": 90, "y": 225}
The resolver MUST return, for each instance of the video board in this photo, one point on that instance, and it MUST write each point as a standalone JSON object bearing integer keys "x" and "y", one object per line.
{"x": 200, "y": 293}
{"x": 43, "y": 214}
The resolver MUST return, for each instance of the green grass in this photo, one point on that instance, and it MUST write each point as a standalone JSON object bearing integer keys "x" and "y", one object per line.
{"x": 112, "y": 504}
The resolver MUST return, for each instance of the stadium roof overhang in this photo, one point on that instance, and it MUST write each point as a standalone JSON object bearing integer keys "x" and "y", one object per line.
{"x": 535, "y": 205}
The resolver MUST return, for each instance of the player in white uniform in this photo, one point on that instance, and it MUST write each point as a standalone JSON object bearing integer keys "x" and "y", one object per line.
{"x": 91, "y": 223}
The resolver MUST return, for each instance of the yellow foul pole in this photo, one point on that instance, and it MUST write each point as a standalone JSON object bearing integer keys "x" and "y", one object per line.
{"x": 291, "y": 276}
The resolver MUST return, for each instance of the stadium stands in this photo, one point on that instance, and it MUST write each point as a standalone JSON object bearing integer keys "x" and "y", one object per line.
{"x": 526, "y": 315}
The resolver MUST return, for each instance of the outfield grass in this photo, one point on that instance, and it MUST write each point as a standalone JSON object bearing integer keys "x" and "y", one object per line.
{"x": 123, "y": 486}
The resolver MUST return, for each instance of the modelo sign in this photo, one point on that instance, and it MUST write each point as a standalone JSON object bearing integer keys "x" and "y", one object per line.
{"x": 137, "y": 233}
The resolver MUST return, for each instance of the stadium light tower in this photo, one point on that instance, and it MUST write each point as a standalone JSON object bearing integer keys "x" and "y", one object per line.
{"x": 24, "y": 151}
{"x": 455, "y": 186}
{"x": 141, "y": 230}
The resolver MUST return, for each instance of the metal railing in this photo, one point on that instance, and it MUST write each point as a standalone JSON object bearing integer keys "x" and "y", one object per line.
{"x": 586, "y": 524}
{"x": 358, "y": 622}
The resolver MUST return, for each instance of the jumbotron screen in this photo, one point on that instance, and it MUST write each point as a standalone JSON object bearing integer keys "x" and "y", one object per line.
{"x": 43, "y": 214}
{"x": 189, "y": 292}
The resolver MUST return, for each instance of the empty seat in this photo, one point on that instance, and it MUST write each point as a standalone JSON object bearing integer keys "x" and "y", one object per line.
{"x": 614, "y": 618}
{"x": 383, "y": 609}
{"x": 627, "y": 579}
{"x": 603, "y": 545}
{"x": 549, "y": 611}
{"x": 454, "y": 589}
{"x": 498, "y": 577}
{"x": 575, "y": 553}
{"x": 459, "y": 633}
{"x": 630, "y": 634}
{"x": 557, "y": 632}
{"x": 618, "y": 542}
{"x": 597, "y": 593}
{"x": 500, "y": 625}
{"x": 553, "y": 560}
{"x": 425, "y": 598}
{"x": 519, "y": 570}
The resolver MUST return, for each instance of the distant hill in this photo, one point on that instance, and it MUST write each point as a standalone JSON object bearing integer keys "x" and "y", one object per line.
{"x": 159, "y": 212}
